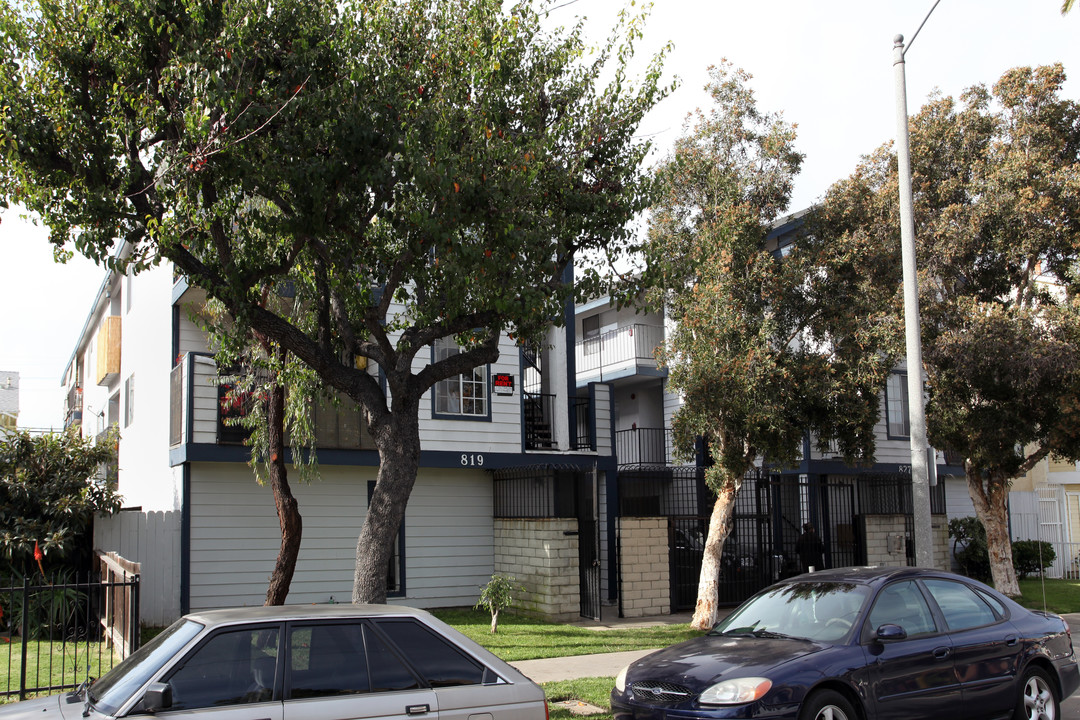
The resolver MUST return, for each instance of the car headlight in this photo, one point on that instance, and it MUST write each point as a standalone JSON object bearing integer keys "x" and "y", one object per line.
{"x": 736, "y": 691}
{"x": 620, "y": 679}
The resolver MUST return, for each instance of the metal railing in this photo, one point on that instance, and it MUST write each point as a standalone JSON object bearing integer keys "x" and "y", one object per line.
{"x": 58, "y": 632}
{"x": 582, "y": 430}
{"x": 627, "y": 344}
{"x": 643, "y": 446}
{"x": 539, "y": 425}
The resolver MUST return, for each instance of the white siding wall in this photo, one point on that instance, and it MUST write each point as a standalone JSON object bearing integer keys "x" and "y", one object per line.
{"x": 145, "y": 477}
{"x": 235, "y": 536}
{"x": 604, "y": 409}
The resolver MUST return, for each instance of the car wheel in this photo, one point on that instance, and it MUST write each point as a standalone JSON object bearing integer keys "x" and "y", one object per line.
{"x": 1037, "y": 700}
{"x": 827, "y": 705}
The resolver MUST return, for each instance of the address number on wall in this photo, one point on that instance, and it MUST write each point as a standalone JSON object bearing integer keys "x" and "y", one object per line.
{"x": 470, "y": 460}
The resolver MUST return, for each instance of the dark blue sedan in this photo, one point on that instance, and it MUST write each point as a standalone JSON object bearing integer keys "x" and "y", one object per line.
{"x": 858, "y": 644}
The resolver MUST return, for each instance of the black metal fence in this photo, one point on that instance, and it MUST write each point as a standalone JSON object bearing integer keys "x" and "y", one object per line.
{"x": 643, "y": 446}
{"x": 539, "y": 425}
{"x": 581, "y": 411}
{"x": 55, "y": 634}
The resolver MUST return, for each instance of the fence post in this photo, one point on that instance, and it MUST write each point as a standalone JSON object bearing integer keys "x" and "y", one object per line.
{"x": 25, "y": 632}
{"x": 133, "y": 613}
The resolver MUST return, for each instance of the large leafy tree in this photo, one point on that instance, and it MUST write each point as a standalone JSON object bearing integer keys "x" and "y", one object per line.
{"x": 411, "y": 170}
{"x": 996, "y": 183}
{"x": 50, "y": 488}
{"x": 767, "y": 344}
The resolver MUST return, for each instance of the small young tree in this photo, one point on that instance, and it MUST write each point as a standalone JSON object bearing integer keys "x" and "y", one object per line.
{"x": 497, "y": 595}
{"x": 50, "y": 491}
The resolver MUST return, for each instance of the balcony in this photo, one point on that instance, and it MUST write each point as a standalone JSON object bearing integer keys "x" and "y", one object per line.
{"x": 199, "y": 411}
{"x": 643, "y": 446}
{"x": 73, "y": 407}
{"x": 623, "y": 352}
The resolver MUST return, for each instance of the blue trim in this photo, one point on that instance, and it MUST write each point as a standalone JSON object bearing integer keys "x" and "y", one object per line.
{"x": 600, "y": 302}
{"x": 185, "y": 540}
{"x": 453, "y": 416}
{"x": 570, "y": 333}
{"x": 889, "y": 434}
{"x": 521, "y": 395}
{"x": 179, "y": 287}
{"x": 175, "y": 337}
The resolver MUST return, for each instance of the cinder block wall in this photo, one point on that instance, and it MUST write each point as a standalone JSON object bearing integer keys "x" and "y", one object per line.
{"x": 542, "y": 556}
{"x": 883, "y": 548}
{"x": 644, "y": 567}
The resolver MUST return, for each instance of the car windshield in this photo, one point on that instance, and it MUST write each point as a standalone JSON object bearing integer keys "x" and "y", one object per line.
{"x": 113, "y": 689}
{"x": 818, "y": 611}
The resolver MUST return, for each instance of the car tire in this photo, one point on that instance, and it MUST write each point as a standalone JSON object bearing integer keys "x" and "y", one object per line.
{"x": 1037, "y": 699}
{"x": 827, "y": 705}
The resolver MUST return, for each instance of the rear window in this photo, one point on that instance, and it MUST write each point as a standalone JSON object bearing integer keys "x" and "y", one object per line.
{"x": 441, "y": 662}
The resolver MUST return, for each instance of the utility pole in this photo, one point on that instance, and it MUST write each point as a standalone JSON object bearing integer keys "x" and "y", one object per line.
{"x": 920, "y": 478}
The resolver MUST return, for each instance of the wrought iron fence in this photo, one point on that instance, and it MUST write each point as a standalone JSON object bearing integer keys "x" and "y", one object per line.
{"x": 56, "y": 633}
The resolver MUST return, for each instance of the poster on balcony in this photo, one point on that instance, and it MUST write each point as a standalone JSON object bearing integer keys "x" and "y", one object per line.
{"x": 502, "y": 383}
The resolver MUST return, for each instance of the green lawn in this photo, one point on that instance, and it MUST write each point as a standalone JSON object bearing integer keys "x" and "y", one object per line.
{"x": 1062, "y": 596}
{"x": 51, "y": 665}
{"x": 522, "y": 638}
{"x": 595, "y": 691}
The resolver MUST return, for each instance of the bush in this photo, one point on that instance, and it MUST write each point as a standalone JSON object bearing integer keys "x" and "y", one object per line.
{"x": 1032, "y": 556}
{"x": 969, "y": 547}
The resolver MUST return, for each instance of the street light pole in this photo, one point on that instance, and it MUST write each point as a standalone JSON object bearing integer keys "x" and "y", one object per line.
{"x": 920, "y": 478}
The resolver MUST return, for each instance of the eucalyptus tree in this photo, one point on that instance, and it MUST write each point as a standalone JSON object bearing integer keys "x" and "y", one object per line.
{"x": 413, "y": 170}
{"x": 996, "y": 184}
{"x": 768, "y": 343}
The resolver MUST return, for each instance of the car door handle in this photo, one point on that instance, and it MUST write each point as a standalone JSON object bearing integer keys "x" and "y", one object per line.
{"x": 1011, "y": 640}
{"x": 417, "y": 709}
{"x": 942, "y": 653}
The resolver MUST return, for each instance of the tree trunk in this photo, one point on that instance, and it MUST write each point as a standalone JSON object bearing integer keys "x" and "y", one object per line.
{"x": 719, "y": 529}
{"x": 494, "y": 621}
{"x": 287, "y": 508}
{"x": 398, "y": 443}
{"x": 992, "y": 511}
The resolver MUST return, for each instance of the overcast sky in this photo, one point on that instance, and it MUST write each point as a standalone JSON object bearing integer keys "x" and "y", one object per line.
{"x": 827, "y": 65}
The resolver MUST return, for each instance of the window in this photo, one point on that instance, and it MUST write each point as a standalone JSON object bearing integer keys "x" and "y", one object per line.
{"x": 441, "y": 663}
{"x": 902, "y": 604}
{"x": 342, "y": 659}
{"x": 590, "y": 327}
{"x": 129, "y": 400}
{"x": 896, "y": 405}
{"x": 465, "y": 394}
{"x": 232, "y": 668}
{"x": 960, "y": 605}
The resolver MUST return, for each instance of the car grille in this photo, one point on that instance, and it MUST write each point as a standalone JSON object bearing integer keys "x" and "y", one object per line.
{"x": 660, "y": 693}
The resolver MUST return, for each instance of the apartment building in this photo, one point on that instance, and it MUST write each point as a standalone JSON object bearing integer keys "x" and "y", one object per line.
{"x": 512, "y": 456}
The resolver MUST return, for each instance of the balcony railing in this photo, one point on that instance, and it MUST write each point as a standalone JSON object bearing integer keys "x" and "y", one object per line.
{"x": 198, "y": 409}
{"x": 581, "y": 432}
{"x": 628, "y": 346}
{"x": 643, "y": 446}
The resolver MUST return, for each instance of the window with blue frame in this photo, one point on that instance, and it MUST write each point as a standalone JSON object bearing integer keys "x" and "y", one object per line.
{"x": 464, "y": 395}
{"x": 896, "y": 406}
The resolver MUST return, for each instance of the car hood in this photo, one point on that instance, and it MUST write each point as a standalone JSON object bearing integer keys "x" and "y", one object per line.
{"x": 696, "y": 664}
{"x": 46, "y": 708}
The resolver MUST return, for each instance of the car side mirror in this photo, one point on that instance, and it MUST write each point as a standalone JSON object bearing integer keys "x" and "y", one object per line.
{"x": 158, "y": 696}
{"x": 890, "y": 632}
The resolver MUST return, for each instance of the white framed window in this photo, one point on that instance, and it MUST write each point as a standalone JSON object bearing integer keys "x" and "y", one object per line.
{"x": 463, "y": 395}
{"x": 896, "y": 406}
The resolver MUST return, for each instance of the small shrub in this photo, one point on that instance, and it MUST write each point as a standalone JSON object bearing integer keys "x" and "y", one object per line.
{"x": 969, "y": 547}
{"x": 497, "y": 595}
{"x": 1032, "y": 556}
